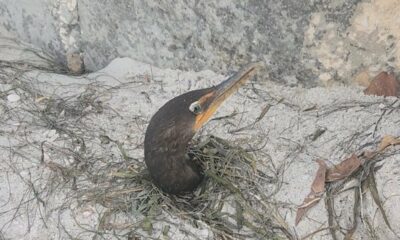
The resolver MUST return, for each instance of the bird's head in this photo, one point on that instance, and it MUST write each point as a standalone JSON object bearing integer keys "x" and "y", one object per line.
{"x": 181, "y": 117}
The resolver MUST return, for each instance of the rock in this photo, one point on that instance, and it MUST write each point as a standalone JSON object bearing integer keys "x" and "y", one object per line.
{"x": 295, "y": 38}
{"x": 75, "y": 63}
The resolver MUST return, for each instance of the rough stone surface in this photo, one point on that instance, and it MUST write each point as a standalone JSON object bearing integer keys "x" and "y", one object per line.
{"x": 369, "y": 42}
{"x": 303, "y": 42}
{"x": 32, "y": 21}
{"x": 213, "y": 35}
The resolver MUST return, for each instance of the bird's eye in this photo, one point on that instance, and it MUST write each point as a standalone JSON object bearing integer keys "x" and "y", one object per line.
{"x": 195, "y": 108}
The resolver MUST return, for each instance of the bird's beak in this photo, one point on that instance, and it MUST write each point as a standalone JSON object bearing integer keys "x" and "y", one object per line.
{"x": 222, "y": 91}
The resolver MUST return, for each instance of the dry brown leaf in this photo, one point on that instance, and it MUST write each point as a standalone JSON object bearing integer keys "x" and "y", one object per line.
{"x": 387, "y": 141}
{"x": 384, "y": 84}
{"x": 317, "y": 190}
{"x": 343, "y": 169}
{"x": 318, "y": 184}
{"x": 368, "y": 154}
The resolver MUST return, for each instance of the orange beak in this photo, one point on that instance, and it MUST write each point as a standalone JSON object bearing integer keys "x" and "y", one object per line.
{"x": 211, "y": 101}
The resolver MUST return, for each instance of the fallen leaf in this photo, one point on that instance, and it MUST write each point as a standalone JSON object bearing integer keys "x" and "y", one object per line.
{"x": 369, "y": 154}
{"x": 317, "y": 190}
{"x": 343, "y": 169}
{"x": 318, "y": 184}
{"x": 384, "y": 84}
{"x": 387, "y": 141}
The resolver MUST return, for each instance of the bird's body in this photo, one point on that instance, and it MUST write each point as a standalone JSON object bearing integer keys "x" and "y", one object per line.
{"x": 168, "y": 164}
{"x": 174, "y": 125}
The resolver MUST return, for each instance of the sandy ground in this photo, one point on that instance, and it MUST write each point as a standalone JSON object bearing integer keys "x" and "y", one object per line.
{"x": 35, "y": 204}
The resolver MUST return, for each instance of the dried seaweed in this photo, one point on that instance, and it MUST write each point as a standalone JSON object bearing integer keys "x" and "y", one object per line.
{"x": 91, "y": 168}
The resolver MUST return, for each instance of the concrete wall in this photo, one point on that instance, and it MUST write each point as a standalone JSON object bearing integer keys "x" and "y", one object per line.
{"x": 306, "y": 42}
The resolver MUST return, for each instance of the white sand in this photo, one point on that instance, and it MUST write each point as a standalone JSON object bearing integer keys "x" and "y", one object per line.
{"x": 284, "y": 136}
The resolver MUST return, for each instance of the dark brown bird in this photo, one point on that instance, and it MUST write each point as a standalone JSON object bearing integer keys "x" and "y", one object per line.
{"x": 174, "y": 125}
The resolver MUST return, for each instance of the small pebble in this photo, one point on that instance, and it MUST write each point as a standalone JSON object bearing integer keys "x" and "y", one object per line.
{"x": 13, "y": 97}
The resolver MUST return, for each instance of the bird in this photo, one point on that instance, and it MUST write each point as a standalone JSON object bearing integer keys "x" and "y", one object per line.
{"x": 173, "y": 126}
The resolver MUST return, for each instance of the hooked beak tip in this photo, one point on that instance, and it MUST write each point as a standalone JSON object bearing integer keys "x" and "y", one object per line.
{"x": 233, "y": 83}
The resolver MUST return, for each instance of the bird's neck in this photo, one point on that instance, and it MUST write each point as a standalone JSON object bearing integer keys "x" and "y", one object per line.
{"x": 169, "y": 167}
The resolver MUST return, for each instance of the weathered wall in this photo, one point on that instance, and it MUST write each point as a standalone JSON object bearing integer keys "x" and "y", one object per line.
{"x": 306, "y": 42}
{"x": 32, "y": 21}
{"x": 52, "y": 25}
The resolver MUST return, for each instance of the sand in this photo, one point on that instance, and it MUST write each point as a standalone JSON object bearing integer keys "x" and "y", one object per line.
{"x": 301, "y": 125}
